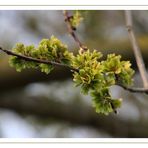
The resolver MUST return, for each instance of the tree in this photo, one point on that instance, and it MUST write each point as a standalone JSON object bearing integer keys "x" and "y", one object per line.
{"x": 94, "y": 75}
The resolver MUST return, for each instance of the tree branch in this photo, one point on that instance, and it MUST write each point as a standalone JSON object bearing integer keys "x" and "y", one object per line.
{"x": 71, "y": 30}
{"x": 134, "y": 89}
{"x": 26, "y": 58}
{"x": 134, "y": 43}
{"x": 136, "y": 49}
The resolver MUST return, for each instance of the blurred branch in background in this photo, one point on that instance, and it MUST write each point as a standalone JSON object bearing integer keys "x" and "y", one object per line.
{"x": 77, "y": 112}
{"x": 10, "y": 79}
{"x": 136, "y": 49}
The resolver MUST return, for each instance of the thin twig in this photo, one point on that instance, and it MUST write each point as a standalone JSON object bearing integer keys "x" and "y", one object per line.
{"x": 134, "y": 89}
{"x": 136, "y": 49}
{"x": 71, "y": 30}
{"x": 26, "y": 58}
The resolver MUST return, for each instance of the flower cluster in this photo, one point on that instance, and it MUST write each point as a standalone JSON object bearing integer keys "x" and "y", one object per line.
{"x": 48, "y": 49}
{"x": 93, "y": 75}
{"x": 96, "y": 76}
{"x": 76, "y": 19}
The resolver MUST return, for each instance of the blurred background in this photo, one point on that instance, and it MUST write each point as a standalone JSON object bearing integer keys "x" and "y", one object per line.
{"x": 36, "y": 105}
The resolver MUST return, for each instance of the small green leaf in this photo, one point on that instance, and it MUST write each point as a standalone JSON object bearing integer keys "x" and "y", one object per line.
{"x": 84, "y": 89}
{"x": 76, "y": 19}
{"x": 117, "y": 103}
{"x": 47, "y": 68}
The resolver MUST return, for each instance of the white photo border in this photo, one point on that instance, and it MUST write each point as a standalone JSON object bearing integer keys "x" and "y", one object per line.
{"x": 73, "y": 5}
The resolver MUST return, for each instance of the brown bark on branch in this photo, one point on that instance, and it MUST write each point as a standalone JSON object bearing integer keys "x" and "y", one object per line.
{"x": 134, "y": 89}
{"x": 26, "y": 58}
